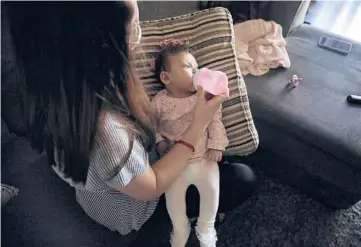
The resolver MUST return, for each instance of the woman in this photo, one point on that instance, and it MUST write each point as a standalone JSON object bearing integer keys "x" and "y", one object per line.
{"x": 87, "y": 109}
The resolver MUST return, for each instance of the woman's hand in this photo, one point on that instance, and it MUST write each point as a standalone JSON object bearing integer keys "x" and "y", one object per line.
{"x": 205, "y": 110}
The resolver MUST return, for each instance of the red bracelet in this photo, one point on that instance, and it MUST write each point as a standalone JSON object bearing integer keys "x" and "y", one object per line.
{"x": 188, "y": 145}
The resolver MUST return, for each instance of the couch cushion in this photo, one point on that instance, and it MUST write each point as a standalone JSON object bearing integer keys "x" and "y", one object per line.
{"x": 211, "y": 37}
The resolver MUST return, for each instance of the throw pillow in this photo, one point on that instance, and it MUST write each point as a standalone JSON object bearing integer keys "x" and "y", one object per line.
{"x": 211, "y": 37}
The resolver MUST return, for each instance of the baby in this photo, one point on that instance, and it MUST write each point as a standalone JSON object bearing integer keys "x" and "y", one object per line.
{"x": 174, "y": 105}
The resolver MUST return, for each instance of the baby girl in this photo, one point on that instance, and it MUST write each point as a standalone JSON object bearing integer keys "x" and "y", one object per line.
{"x": 174, "y": 105}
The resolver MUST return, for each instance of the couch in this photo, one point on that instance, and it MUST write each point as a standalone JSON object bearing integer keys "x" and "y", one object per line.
{"x": 45, "y": 212}
{"x": 310, "y": 137}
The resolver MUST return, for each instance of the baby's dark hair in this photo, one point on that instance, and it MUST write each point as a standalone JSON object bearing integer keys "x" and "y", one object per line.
{"x": 160, "y": 64}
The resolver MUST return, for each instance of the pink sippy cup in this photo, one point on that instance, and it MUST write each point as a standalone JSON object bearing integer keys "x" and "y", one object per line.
{"x": 213, "y": 82}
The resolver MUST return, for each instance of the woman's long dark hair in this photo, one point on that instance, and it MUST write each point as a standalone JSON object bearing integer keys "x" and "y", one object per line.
{"x": 73, "y": 57}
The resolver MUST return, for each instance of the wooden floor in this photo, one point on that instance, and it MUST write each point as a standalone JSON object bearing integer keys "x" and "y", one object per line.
{"x": 340, "y": 17}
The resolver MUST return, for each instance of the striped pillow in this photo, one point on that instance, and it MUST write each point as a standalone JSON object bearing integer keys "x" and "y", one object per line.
{"x": 211, "y": 37}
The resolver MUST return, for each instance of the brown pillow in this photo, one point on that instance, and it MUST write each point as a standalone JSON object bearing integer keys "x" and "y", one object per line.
{"x": 211, "y": 37}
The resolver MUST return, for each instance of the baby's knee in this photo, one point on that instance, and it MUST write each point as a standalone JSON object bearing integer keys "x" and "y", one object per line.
{"x": 181, "y": 223}
{"x": 178, "y": 218}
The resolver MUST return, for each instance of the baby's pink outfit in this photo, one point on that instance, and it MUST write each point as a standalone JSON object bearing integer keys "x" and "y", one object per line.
{"x": 175, "y": 115}
{"x": 260, "y": 46}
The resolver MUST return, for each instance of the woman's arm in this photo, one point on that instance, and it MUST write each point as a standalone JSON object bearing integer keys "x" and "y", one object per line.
{"x": 155, "y": 180}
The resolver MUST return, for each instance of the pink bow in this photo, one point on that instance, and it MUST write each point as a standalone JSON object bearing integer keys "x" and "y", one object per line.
{"x": 171, "y": 43}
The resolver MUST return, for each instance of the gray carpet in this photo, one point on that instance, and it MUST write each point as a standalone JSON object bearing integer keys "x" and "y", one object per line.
{"x": 281, "y": 216}
{"x": 278, "y": 215}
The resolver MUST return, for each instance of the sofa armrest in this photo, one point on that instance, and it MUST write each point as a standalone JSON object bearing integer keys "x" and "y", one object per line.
{"x": 153, "y": 10}
{"x": 288, "y": 14}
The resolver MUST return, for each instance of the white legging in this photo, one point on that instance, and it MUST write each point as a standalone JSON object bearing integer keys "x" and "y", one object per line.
{"x": 205, "y": 176}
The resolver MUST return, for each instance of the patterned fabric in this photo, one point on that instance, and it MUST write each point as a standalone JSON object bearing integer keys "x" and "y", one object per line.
{"x": 211, "y": 36}
{"x": 110, "y": 170}
{"x": 175, "y": 116}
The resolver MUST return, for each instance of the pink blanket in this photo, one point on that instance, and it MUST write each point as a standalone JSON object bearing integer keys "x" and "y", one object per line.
{"x": 260, "y": 47}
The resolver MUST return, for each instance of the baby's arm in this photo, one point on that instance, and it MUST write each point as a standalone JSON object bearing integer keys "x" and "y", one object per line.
{"x": 217, "y": 138}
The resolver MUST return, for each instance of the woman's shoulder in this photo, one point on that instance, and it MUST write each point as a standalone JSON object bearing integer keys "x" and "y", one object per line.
{"x": 111, "y": 120}
{"x": 117, "y": 155}
{"x": 113, "y": 130}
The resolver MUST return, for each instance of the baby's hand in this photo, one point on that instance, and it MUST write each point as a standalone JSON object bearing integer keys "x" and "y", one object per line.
{"x": 163, "y": 147}
{"x": 214, "y": 155}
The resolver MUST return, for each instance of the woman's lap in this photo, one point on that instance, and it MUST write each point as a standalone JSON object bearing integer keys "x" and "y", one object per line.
{"x": 237, "y": 183}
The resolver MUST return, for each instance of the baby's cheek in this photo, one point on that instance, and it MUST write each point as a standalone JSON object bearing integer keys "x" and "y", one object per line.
{"x": 188, "y": 79}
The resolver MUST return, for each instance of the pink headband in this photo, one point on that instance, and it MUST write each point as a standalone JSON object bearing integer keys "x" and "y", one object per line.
{"x": 171, "y": 43}
{"x": 167, "y": 43}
